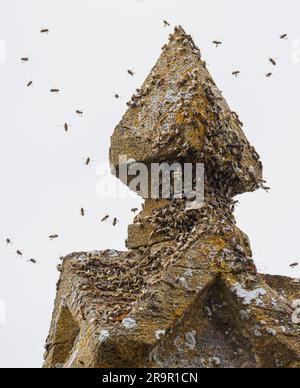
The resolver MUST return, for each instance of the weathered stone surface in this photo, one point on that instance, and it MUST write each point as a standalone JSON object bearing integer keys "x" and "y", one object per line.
{"x": 187, "y": 293}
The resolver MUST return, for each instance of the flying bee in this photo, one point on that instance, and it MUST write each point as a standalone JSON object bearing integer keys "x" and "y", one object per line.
{"x": 66, "y": 127}
{"x": 19, "y": 253}
{"x": 166, "y": 24}
{"x": 82, "y": 212}
{"x": 284, "y": 36}
{"x": 115, "y": 221}
{"x": 294, "y": 265}
{"x": 217, "y": 43}
{"x": 24, "y": 59}
{"x": 32, "y": 261}
{"x": 29, "y": 83}
{"x": 53, "y": 237}
{"x": 104, "y": 219}
{"x": 236, "y": 73}
{"x": 274, "y": 63}
{"x": 131, "y": 72}
{"x": 269, "y": 75}
{"x": 45, "y": 31}
{"x": 134, "y": 210}
{"x": 54, "y": 90}
{"x": 116, "y": 96}
{"x": 8, "y": 241}
{"x": 79, "y": 112}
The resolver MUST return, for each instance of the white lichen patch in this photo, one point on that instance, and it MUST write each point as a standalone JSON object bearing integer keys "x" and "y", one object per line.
{"x": 112, "y": 253}
{"x": 244, "y": 315}
{"x": 257, "y": 333}
{"x": 215, "y": 361}
{"x": 190, "y": 340}
{"x": 249, "y": 296}
{"x": 272, "y": 332}
{"x": 104, "y": 336}
{"x": 129, "y": 323}
{"x": 188, "y": 272}
{"x": 159, "y": 334}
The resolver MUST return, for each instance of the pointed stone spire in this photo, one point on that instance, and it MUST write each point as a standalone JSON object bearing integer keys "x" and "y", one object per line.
{"x": 179, "y": 114}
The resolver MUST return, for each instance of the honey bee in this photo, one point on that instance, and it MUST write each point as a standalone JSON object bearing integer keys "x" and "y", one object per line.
{"x": 19, "y": 253}
{"x": 115, "y": 221}
{"x": 131, "y": 72}
{"x": 45, "y": 31}
{"x": 32, "y": 261}
{"x": 104, "y": 219}
{"x": 29, "y": 83}
{"x": 274, "y": 63}
{"x": 8, "y": 241}
{"x": 79, "y": 112}
{"x": 217, "y": 43}
{"x": 116, "y": 96}
{"x": 294, "y": 265}
{"x": 236, "y": 73}
{"x": 134, "y": 210}
{"x": 54, "y": 90}
{"x": 284, "y": 36}
{"x": 53, "y": 237}
{"x": 24, "y": 59}
{"x": 166, "y": 24}
{"x": 66, "y": 127}
{"x": 269, "y": 75}
{"x": 82, "y": 212}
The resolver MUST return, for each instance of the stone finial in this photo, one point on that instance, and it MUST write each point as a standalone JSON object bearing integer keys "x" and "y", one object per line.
{"x": 187, "y": 292}
{"x": 180, "y": 115}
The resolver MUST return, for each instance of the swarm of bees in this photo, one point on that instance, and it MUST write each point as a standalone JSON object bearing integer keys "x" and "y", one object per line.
{"x": 131, "y": 72}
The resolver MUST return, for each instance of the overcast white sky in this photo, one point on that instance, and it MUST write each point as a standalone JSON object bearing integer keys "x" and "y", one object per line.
{"x": 91, "y": 45}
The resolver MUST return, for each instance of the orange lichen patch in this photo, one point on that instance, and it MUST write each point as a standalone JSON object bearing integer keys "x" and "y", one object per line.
{"x": 121, "y": 317}
{"x": 217, "y": 242}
